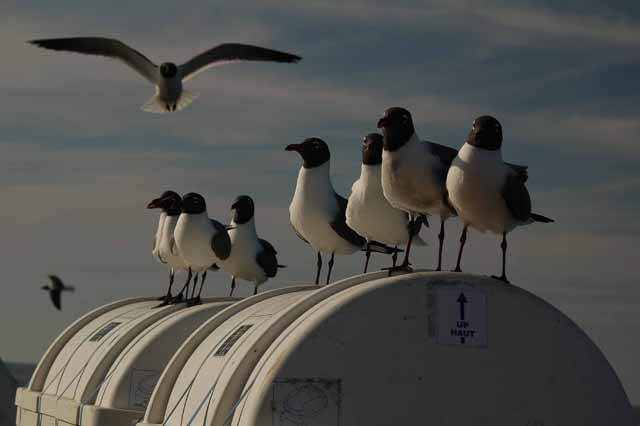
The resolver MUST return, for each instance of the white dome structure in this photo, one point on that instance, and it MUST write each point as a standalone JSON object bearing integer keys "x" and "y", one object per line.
{"x": 103, "y": 368}
{"x": 413, "y": 349}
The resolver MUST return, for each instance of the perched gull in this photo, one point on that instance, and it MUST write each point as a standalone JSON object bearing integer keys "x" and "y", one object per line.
{"x": 317, "y": 212}
{"x": 414, "y": 173}
{"x": 168, "y": 77}
{"x": 368, "y": 212}
{"x": 251, "y": 258}
{"x": 56, "y": 289}
{"x": 202, "y": 242}
{"x": 165, "y": 248}
{"x": 487, "y": 193}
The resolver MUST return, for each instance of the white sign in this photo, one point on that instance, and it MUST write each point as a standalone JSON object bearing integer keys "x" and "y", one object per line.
{"x": 457, "y": 315}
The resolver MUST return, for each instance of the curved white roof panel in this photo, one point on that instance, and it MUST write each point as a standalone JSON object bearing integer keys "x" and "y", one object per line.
{"x": 433, "y": 348}
{"x": 103, "y": 367}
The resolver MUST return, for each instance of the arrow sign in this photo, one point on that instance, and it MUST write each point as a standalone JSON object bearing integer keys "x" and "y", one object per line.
{"x": 461, "y": 300}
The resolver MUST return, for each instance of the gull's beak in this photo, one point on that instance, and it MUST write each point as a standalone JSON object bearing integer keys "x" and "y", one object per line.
{"x": 155, "y": 204}
{"x": 294, "y": 147}
{"x": 234, "y": 206}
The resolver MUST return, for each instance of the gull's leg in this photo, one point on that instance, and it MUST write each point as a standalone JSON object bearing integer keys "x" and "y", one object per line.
{"x": 318, "y": 268}
{"x": 463, "y": 239}
{"x": 503, "y": 246}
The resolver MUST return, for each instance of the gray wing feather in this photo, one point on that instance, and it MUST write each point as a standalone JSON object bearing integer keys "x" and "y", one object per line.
{"x": 521, "y": 171}
{"x": 517, "y": 198}
{"x": 266, "y": 258}
{"x": 339, "y": 224}
{"x": 103, "y": 47}
{"x": 232, "y": 52}
{"x": 446, "y": 155}
{"x": 220, "y": 242}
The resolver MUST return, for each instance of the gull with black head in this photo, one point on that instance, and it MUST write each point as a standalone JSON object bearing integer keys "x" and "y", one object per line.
{"x": 317, "y": 212}
{"x": 488, "y": 194}
{"x": 168, "y": 77}
{"x": 251, "y": 258}
{"x": 202, "y": 242}
{"x": 414, "y": 174}
{"x": 368, "y": 211}
{"x": 165, "y": 248}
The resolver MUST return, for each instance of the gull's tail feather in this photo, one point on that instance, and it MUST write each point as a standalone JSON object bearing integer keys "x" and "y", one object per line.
{"x": 540, "y": 218}
{"x": 186, "y": 97}
{"x": 155, "y": 105}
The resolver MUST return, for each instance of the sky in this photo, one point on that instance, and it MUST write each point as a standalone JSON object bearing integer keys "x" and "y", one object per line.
{"x": 79, "y": 160}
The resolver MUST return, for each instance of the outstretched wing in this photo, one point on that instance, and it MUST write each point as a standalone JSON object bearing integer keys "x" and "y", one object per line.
{"x": 339, "y": 224}
{"x": 266, "y": 258}
{"x": 54, "y": 294}
{"x": 103, "y": 47}
{"x": 516, "y": 196}
{"x": 220, "y": 242}
{"x": 231, "y": 52}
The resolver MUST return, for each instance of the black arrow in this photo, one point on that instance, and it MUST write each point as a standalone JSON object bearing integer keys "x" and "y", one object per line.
{"x": 461, "y": 300}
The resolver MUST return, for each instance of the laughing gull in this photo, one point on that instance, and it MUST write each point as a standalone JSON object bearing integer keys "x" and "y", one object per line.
{"x": 317, "y": 212}
{"x": 487, "y": 193}
{"x": 202, "y": 242}
{"x": 414, "y": 173}
{"x": 165, "y": 248}
{"x": 368, "y": 212}
{"x": 168, "y": 77}
{"x": 252, "y": 258}
{"x": 56, "y": 289}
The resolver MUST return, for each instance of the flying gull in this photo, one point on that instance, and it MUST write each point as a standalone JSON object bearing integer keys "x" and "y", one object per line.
{"x": 168, "y": 77}
{"x": 55, "y": 290}
{"x": 487, "y": 193}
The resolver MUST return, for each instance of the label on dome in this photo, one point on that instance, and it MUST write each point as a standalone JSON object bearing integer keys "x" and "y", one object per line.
{"x": 457, "y": 315}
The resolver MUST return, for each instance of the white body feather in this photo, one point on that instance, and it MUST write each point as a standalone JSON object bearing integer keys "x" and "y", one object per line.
{"x": 370, "y": 214}
{"x": 475, "y": 181}
{"x": 409, "y": 181}
{"x": 169, "y": 92}
{"x": 168, "y": 249}
{"x": 242, "y": 263}
{"x": 193, "y": 236}
{"x": 314, "y": 207}
{"x": 158, "y": 237}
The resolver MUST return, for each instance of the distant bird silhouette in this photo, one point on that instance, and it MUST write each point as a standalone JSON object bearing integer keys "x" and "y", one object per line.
{"x": 167, "y": 77}
{"x": 56, "y": 289}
